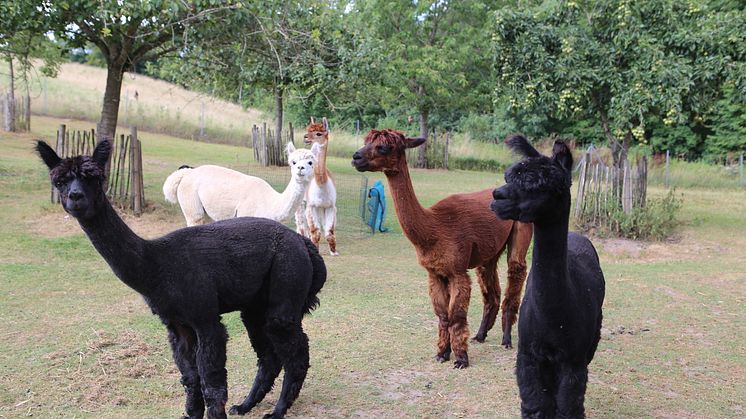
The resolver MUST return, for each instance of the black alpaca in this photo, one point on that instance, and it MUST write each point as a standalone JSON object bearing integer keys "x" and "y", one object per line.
{"x": 193, "y": 275}
{"x": 560, "y": 317}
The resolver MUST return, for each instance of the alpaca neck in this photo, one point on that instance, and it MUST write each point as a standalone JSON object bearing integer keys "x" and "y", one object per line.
{"x": 549, "y": 269}
{"x": 320, "y": 172}
{"x": 120, "y": 247}
{"x": 290, "y": 199}
{"x": 414, "y": 219}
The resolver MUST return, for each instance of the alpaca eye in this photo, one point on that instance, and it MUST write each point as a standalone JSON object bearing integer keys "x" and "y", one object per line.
{"x": 293, "y": 162}
{"x": 318, "y": 134}
{"x": 383, "y": 149}
{"x": 310, "y": 163}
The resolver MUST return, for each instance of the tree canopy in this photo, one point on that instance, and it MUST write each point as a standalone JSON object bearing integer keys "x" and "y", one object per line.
{"x": 618, "y": 61}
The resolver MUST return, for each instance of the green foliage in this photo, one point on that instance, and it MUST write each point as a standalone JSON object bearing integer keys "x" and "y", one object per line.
{"x": 622, "y": 61}
{"x": 656, "y": 220}
{"x": 728, "y": 125}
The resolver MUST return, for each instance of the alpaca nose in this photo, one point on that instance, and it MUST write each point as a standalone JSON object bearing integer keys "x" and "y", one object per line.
{"x": 357, "y": 156}
{"x": 498, "y": 193}
{"x": 75, "y": 195}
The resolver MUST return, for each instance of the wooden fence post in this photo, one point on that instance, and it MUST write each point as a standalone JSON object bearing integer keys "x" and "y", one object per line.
{"x": 27, "y": 112}
{"x": 135, "y": 183}
{"x": 60, "y": 149}
{"x": 445, "y": 156}
{"x": 581, "y": 185}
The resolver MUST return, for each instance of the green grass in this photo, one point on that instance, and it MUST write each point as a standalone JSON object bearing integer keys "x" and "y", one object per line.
{"x": 696, "y": 175}
{"x": 76, "y": 342}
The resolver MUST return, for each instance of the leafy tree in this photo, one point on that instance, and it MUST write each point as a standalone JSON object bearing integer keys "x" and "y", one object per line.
{"x": 621, "y": 61}
{"x": 276, "y": 47}
{"x": 127, "y": 33}
{"x": 423, "y": 55}
{"x": 728, "y": 124}
{"x": 22, "y": 41}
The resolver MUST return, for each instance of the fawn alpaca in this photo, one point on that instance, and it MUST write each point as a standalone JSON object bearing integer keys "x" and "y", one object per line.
{"x": 560, "y": 322}
{"x": 193, "y": 275}
{"x": 321, "y": 196}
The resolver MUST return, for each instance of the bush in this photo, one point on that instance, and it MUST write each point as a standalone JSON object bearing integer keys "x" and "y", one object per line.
{"x": 655, "y": 221}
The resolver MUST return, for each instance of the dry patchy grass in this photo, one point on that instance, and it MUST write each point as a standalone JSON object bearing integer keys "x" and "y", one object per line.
{"x": 78, "y": 343}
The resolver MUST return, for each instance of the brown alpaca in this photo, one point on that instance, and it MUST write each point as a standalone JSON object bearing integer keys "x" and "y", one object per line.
{"x": 458, "y": 233}
{"x": 321, "y": 195}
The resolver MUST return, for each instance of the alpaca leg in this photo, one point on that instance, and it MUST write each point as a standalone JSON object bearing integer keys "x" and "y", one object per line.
{"x": 571, "y": 391}
{"x": 184, "y": 346}
{"x": 458, "y": 327}
{"x": 301, "y": 226}
{"x": 490, "y": 286}
{"x": 296, "y": 367}
{"x": 211, "y": 344}
{"x": 313, "y": 216}
{"x": 291, "y": 346}
{"x": 440, "y": 296}
{"x": 536, "y": 387}
{"x": 330, "y": 222}
{"x": 512, "y": 301}
{"x": 268, "y": 365}
{"x": 192, "y": 208}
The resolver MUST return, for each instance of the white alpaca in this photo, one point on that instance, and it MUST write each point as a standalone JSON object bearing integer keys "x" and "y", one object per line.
{"x": 321, "y": 197}
{"x": 222, "y": 193}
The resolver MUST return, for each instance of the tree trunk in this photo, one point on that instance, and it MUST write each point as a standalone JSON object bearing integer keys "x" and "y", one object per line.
{"x": 278, "y": 113}
{"x": 107, "y": 126}
{"x": 10, "y": 100}
{"x": 422, "y": 151}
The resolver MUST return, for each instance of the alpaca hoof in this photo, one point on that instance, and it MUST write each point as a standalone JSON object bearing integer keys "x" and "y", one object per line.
{"x": 334, "y": 253}
{"x": 442, "y": 357}
{"x": 507, "y": 343}
{"x": 479, "y": 338}
{"x": 273, "y": 415}
{"x": 460, "y": 364}
{"x": 237, "y": 409}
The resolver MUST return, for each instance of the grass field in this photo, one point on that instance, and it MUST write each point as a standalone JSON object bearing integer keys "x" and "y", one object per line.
{"x": 76, "y": 342}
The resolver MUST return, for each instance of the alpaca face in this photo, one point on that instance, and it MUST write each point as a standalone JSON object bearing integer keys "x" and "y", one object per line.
{"x": 537, "y": 187}
{"x": 301, "y": 164}
{"x": 316, "y": 133}
{"x": 383, "y": 151}
{"x": 79, "y": 180}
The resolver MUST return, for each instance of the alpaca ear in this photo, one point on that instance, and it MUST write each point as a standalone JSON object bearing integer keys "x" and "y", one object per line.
{"x": 325, "y": 123}
{"x": 290, "y": 148}
{"x": 47, "y": 154}
{"x": 561, "y": 155}
{"x": 101, "y": 153}
{"x": 413, "y": 142}
{"x": 520, "y": 145}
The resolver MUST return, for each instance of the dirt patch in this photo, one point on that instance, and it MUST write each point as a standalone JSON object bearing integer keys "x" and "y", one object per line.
{"x": 54, "y": 225}
{"x": 153, "y": 223}
{"x": 681, "y": 248}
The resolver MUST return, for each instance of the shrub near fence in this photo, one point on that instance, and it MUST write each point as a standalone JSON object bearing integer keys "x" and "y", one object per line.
{"x": 125, "y": 176}
{"x": 605, "y": 190}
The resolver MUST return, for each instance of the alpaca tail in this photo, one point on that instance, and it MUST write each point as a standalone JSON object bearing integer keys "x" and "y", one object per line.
{"x": 171, "y": 185}
{"x": 319, "y": 276}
